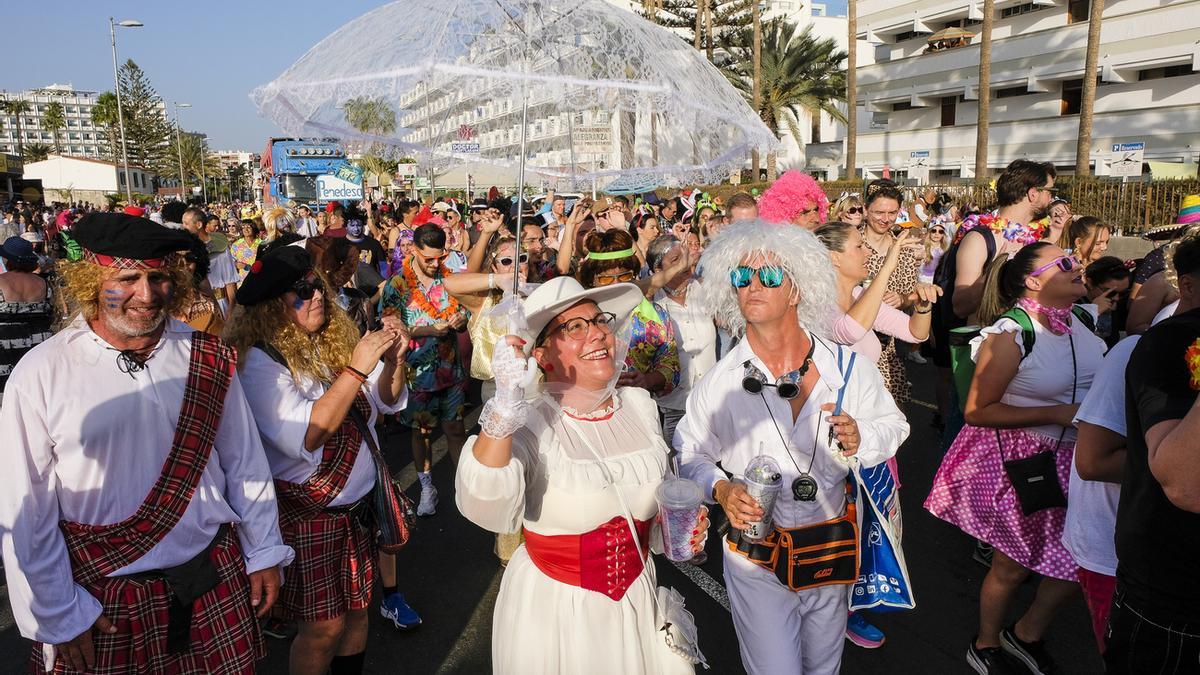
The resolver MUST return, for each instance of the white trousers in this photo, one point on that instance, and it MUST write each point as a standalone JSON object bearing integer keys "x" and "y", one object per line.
{"x": 782, "y": 632}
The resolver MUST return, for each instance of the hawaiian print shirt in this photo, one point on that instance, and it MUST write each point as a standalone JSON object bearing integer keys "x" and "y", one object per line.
{"x": 433, "y": 362}
{"x": 652, "y": 346}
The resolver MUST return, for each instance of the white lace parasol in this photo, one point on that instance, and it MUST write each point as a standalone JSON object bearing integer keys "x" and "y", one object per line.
{"x": 605, "y": 93}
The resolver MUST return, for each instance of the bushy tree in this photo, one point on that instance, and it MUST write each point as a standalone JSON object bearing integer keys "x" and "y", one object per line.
{"x": 147, "y": 131}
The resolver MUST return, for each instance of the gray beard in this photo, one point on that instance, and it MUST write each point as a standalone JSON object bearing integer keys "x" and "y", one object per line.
{"x": 119, "y": 324}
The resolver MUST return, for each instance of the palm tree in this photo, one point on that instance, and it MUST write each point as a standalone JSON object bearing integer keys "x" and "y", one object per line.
{"x": 985, "y": 90}
{"x": 104, "y": 115}
{"x": 17, "y": 107}
{"x": 1087, "y": 101}
{"x": 36, "y": 152}
{"x": 756, "y": 102}
{"x": 800, "y": 73}
{"x": 54, "y": 120}
{"x": 372, "y": 116}
{"x": 852, "y": 92}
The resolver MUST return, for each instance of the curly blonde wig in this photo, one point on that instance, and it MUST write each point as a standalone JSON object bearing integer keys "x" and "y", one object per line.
{"x": 319, "y": 355}
{"x": 81, "y": 281}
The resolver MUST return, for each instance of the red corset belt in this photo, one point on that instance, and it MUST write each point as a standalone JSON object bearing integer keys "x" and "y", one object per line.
{"x": 603, "y": 560}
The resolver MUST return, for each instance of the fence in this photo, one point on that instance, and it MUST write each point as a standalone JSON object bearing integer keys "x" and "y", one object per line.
{"x": 1131, "y": 208}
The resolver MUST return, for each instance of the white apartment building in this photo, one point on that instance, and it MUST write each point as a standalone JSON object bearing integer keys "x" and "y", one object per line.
{"x": 922, "y": 103}
{"x": 70, "y": 179}
{"x": 79, "y": 138}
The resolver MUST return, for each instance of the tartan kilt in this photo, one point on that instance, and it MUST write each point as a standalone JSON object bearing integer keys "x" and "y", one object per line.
{"x": 225, "y": 637}
{"x": 334, "y": 568}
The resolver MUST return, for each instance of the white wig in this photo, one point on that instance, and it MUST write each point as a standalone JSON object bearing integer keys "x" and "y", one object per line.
{"x": 804, "y": 259}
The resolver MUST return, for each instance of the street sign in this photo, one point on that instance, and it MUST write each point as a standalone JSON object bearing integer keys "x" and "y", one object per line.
{"x": 1126, "y": 159}
{"x": 332, "y": 188}
{"x": 918, "y": 165}
{"x": 593, "y": 140}
{"x": 406, "y": 170}
{"x": 465, "y": 148}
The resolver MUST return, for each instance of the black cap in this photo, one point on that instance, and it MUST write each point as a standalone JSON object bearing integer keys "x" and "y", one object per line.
{"x": 275, "y": 271}
{"x": 113, "y": 237}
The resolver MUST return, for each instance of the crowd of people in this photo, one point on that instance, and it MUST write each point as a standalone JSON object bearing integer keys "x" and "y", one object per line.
{"x": 192, "y": 399}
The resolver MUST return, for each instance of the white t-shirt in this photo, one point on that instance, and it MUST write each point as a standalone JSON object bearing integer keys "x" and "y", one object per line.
{"x": 1092, "y": 505}
{"x": 697, "y": 338}
{"x": 1166, "y": 312}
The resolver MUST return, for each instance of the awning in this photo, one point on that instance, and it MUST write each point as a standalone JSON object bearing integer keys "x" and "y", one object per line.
{"x": 1172, "y": 169}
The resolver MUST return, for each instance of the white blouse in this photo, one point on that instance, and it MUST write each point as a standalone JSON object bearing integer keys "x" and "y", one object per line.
{"x": 282, "y": 410}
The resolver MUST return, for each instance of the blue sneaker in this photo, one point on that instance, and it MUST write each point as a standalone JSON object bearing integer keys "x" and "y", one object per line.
{"x": 396, "y": 610}
{"x": 862, "y": 633}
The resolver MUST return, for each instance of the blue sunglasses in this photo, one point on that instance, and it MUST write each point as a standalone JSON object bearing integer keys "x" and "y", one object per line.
{"x": 770, "y": 276}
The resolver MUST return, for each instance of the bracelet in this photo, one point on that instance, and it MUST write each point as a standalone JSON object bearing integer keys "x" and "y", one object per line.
{"x": 491, "y": 281}
{"x": 356, "y": 374}
{"x": 924, "y": 311}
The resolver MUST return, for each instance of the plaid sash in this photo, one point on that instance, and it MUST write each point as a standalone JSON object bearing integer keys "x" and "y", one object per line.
{"x": 99, "y": 550}
{"x": 296, "y": 500}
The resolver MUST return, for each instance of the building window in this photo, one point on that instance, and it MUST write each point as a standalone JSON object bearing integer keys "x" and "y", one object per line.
{"x": 902, "y": 105}
{"x": 907, "y": 35}
{"x": 1078, "y": 10}
{"x": 1072, "y": 97}
{"x": 949, "y": 107}
{"x": 1009, "y": 92}
{"x": 1180, "y": 70}
{"x": 1017, "y": 10}
{"x": 121, "y": 178}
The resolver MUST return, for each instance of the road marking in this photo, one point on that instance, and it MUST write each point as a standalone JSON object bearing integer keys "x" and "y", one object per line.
{"x": 705, "y": 581}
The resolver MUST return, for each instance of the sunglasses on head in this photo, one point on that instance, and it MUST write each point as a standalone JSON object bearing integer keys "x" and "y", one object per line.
{"x": 770, "y": 276}
{"x": 608, "y": 279}
{"x": 1065, "y": 263}
{"x": 306, "y": 288}
{"x": 508, "y": 260}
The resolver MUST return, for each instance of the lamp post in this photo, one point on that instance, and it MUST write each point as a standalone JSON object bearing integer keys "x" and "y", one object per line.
{"x": 179, "y": 147}
{"x": 112, "y": 32}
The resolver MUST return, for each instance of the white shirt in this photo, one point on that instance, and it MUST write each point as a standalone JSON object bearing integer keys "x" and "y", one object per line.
{"x": 283, "y": 409}
{"x": 86, "y": 442}
{"x": 306, "y": 226}
{"x": 1092, "y": 509}
{"x": 725, "y": 424}
{"x": 221, "y": 271}
{"x": 696, "y": 335}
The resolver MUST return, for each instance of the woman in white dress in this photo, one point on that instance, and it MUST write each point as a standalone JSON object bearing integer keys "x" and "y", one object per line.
{"x": 567, "y": 467}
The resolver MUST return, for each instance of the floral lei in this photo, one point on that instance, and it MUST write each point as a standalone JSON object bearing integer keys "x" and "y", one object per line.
{"x": 1016, "y": 232}
{"x": 418, "y": 296}
{"x": 1192, "y": 356}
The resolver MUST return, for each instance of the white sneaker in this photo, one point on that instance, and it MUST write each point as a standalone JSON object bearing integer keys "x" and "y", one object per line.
{"x": 428, "y": 505}
{"x": 916, "y": 357}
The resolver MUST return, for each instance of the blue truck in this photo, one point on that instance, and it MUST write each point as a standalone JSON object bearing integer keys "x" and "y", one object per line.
{"x": 308, "y": 171}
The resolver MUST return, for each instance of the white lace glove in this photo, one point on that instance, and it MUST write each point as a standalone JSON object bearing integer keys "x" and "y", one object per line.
{"x": 505, "y": 412}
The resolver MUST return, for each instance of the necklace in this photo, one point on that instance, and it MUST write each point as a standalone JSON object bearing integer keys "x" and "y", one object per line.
{"x": 418, "y": 296}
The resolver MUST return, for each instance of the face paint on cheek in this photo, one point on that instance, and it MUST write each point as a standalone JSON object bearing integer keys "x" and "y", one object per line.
{"x": 112, "y": 298}
{"x": 298, "y": 303}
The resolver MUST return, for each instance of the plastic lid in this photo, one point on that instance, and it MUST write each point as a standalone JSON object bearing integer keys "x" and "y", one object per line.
{"x": 763, "y": 470}
{"x": 679, "y": 493}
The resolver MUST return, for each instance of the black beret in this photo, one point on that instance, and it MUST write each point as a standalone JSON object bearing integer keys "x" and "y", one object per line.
{"x": 275, "y": 271}
{"x": 122, "y": 236}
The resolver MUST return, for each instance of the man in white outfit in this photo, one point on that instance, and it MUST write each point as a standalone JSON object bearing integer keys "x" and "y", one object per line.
{"x": 776, "y": 287}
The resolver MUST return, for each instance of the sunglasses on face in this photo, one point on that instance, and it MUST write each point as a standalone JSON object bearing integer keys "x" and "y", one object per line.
{"x": 507, "y": 260}
{"x": 937, "y": 230}
{"x": 305, "y": 289}
{"x": 855, "y": 210}
{"x": 1065, "y": 263}
{"x": 608, "y": 279}
{"x": 770, "y": 276}
{"x": 429, "y": 260}
{"x": 577, "y": 328}
{"x": 1046, "y": 188}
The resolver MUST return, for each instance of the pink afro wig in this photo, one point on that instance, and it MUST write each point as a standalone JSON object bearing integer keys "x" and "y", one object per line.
{"x": 792, "y": 193}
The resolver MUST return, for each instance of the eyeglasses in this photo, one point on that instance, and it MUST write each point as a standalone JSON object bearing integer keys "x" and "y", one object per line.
{"x": 853, "y": 210}
{"x": 1065, "y": 263}
{"x": 754, "y": 381}
{"x": 937, "y": 230}
{"x": 1047, "y": 188}
{"x": 306, "y": 288}
{"x": 770, "y": 276}
{"x": 577, "y": 328}
{"x": 608, "y": 279}
{"x": 508, "y": 260}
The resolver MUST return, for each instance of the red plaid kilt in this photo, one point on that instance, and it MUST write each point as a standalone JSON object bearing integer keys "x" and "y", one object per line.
{"x": 225, "y": 638}
{"x": 334, "y": 569}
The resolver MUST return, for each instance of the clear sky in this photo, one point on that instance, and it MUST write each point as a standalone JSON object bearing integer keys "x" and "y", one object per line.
{"x": 209, "y": 54}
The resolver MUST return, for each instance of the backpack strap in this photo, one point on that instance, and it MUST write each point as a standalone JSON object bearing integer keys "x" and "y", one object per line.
{"x": 1085, "y": 317}
{"x": 1028, "y": 337}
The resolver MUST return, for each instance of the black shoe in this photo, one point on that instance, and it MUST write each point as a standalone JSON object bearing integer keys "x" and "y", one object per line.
{"x": 1032, "y": 655}
{"x": 989, "y": 661}
{"x": 983, "y": 553}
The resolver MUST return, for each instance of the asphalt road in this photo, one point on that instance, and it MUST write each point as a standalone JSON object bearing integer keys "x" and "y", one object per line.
{"x": 451, "y": 576}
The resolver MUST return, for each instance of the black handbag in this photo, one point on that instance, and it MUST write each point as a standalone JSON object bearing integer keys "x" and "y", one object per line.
{"x": 1035, "y": 478}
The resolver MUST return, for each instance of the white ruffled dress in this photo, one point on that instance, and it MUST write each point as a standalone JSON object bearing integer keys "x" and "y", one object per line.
{"x": 555, "y": 486}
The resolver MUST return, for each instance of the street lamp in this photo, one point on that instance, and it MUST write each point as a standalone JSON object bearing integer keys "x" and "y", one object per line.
{"x": 179, "y": 147}
{"x": 112, "y": 31}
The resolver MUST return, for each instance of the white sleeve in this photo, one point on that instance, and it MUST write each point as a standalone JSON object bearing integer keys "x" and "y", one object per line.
{"x": 249, "y": 486}
{"x": 47, "y": 604}
{"x": 699, "y": 447}
{"x": 882, "y": 428}
{"x": 374, "y": 393}
{"x": 1104, "y": 404}
{"x": 221, "y": 271}
{"x": 494, "y": 497}
{"x": 280, "y": 410}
